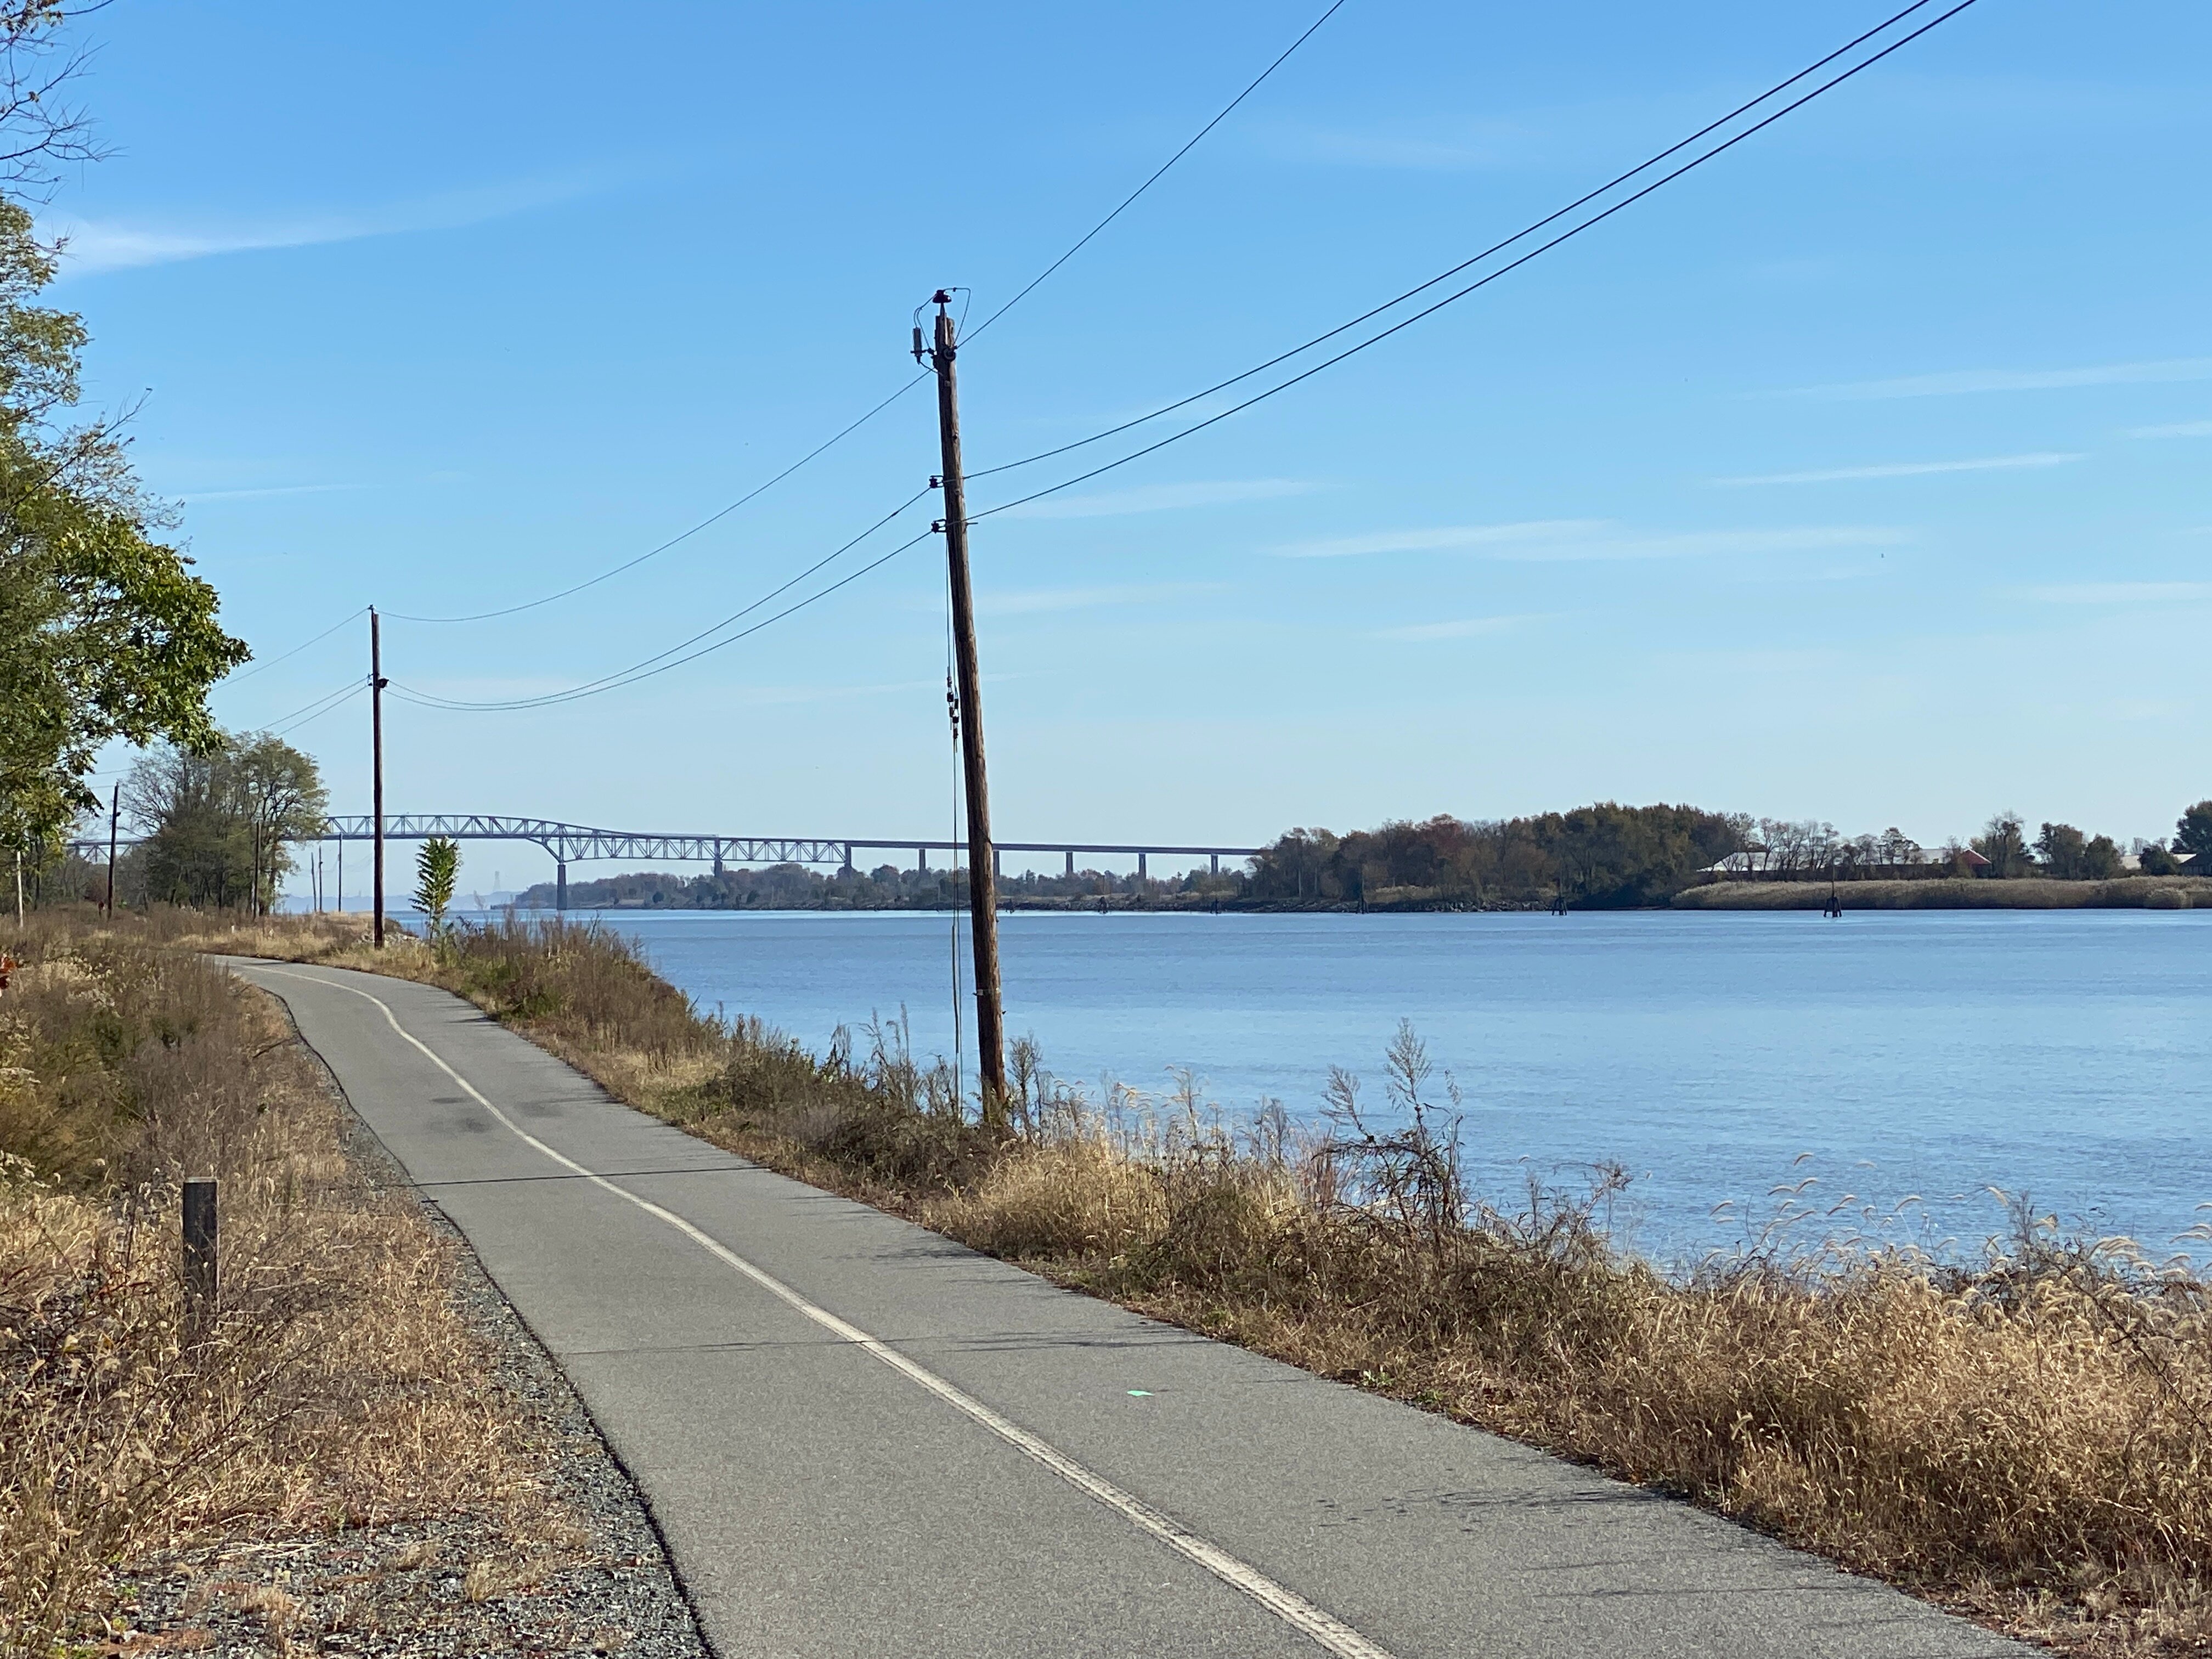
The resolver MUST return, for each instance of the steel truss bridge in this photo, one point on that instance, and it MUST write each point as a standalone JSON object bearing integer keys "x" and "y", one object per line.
{"x": 574, "y": 843}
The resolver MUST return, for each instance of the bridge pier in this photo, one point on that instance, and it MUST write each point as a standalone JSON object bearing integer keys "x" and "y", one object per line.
{"x": 1216, "y": 863}
{"x": 1071, "y": 860}
{"x": 849, "y": 858}
{"x": 922, "y": 860}
{"x": 1140, "y": 867}
{"x": 560, "y": 884}
{"x": 998, "y": 865}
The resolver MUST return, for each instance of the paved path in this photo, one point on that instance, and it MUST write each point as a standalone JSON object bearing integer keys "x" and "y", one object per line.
{"x": 862, "y": 1439}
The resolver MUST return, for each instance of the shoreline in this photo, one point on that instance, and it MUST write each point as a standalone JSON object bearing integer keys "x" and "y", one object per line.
{"x": 1951, "y": 893}
{"x": 1954, "y": 893}
{"x": 1948, "y": 1428}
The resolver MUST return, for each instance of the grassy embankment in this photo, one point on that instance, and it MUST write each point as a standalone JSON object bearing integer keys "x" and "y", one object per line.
{"x": 2025, "y": 1437}
{"x": 2030, "y": 893}
{"x": 335, "y": 1387}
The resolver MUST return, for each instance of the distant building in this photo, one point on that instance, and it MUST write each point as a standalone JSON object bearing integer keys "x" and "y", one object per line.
{"x": 1756, "y": 863}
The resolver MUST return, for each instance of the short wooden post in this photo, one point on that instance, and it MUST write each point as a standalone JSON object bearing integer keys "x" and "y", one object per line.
{"x": 203, "y": 1277}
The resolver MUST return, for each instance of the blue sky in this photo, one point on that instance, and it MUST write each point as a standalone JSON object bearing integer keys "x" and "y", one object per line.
{"x": 1861, "y": 475}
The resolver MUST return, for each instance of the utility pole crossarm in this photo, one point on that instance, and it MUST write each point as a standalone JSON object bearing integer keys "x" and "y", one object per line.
{"x": 982, "y": 889}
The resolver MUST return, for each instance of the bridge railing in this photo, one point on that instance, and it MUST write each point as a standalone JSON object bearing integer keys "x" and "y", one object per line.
{"x": 575, "y": 843}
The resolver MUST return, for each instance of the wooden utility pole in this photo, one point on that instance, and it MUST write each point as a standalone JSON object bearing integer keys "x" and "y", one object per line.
{"x": 114, "y": 816}
{"x": 376, "y": 770}
{"x": 982, "y": 888}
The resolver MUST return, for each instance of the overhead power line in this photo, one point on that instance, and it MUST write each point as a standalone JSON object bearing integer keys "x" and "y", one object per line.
{"x": 847, "y": 430}
{"x": 711, "y": 519}
{"x": 646, "y": 668}
{"x": 1521, "y": 234}
{"x": 234, "y": 678}
{"x": 638, "y": 671}
{"x": 320, "y": 706}
{"x": 969, "y": 334}
{"x": 1484, "y": 282}
{"x": 351, "y": 692}
{"x": 649, "y": 668}
{"x": 428, "y": 701}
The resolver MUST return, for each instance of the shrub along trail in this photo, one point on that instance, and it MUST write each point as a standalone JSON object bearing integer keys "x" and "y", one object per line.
{"x": 860, "y": 1437}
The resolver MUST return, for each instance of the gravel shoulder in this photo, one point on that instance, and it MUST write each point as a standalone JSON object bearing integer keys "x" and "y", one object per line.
{"x": 574, "y": 1566}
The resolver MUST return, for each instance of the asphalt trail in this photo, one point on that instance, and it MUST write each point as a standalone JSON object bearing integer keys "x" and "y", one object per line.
{"x": 860, "y": 1438}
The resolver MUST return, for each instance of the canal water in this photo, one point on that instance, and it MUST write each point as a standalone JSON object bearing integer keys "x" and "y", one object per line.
{"x": 1919, "y": 1058}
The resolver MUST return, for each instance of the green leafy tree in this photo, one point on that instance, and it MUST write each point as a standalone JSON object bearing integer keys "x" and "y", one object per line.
{"x": 103, "y": 632}
{"x": 2100, "y": 859}
{"x": 2004, "y": 843}
{"x": 220, "y": 825}
{"x": 2193, "y": 834}
{"x": 2062, "y": 848}
{"x": 437, "y": 866}
{"x": 1602, "y": 855}
{"x": 2153, "y": 860}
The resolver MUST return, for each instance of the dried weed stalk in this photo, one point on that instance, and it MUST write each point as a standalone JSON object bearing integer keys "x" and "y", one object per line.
{"x": 336, "y": 1385}
{"x": 2024, "y": 1435}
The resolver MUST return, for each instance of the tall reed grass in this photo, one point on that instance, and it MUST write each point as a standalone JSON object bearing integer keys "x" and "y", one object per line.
{"x": 2025, "y": 1435}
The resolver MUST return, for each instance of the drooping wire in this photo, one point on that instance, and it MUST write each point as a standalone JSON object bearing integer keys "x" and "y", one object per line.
{"x": 847, "y": 430}
{"x": 635, "y": 670}
{"x": 427, "y": 700}
{"x": 1484, "y": 282}
{"x": 318, "y": 707}
{"x": 711, "y": 519}
{"x": 1523, "y": 235}
{"x": 1084, "y": 239}
{"x": 272, "y": 662}
{"x": 306, "y": 719}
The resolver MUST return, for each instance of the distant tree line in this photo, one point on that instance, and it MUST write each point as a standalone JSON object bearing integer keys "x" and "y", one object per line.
{"x": 886, "y": 887}
{"x": 1600, "y": 856}
{"x": 218, "y": 826}
{"x": 2065, "y": 854}
{"x": 1603, "y": 856}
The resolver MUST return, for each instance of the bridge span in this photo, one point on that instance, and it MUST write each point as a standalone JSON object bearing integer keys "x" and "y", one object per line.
{"x": 572, "y": 844}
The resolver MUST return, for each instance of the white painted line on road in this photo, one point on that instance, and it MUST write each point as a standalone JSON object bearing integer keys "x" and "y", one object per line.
{"x": 1325, "y": 1629}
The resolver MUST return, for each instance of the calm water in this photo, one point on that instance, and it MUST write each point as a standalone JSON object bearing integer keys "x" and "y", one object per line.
{"x": 1934, "y": 1054}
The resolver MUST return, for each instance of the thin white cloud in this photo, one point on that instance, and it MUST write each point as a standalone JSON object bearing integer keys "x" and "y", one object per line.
{"x": 94, "y": 245}
{"x": 1464, "y": 628}
{"x": 1160, "y": 498}
{"x": 1906, "y": 469}
{"x": 1564, "y": 539}
{"x": 1085, "y": 599}
{"x": 2177, "y": 429}
{"x": 1957, "y": 381}
{"x": 1446, "y": 538}
{"x": 1706, "y": 543}
{"x": 2119, "y": 592}
{"x": 189, "y": 496}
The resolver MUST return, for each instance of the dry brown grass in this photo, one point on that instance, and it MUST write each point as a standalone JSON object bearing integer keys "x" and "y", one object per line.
{"x": 337, "y": 1385}
{"x": 2037, "y": 893}
{"x": 2027, "y": 1437}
